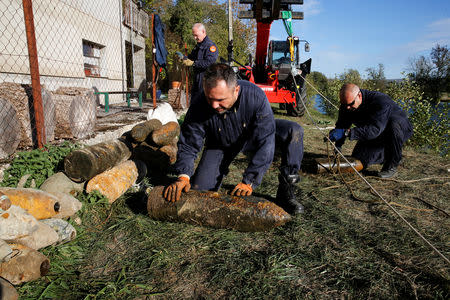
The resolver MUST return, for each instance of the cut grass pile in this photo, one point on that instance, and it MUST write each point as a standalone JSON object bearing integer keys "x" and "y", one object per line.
{"x": 342, "y": 247}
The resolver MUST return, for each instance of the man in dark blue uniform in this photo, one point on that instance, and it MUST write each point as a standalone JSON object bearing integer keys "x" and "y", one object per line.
{"x": 204, "y": 54}
{"x": 229, "y": 117}
{"x": 381, "y": 127}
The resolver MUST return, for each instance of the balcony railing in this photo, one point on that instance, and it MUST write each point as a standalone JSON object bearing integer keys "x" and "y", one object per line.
{"x": 140, "y": 18}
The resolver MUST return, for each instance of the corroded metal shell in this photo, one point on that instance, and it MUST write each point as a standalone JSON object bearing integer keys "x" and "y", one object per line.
{"x": 217, "y": 210}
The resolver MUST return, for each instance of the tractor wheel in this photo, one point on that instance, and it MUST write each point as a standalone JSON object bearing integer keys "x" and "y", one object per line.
{"x": 299, "y": 109}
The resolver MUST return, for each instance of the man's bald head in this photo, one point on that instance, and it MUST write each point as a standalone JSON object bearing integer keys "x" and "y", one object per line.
{"x": 350, "y": 96}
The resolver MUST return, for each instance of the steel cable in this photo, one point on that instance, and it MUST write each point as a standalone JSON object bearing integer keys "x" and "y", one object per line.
{"x": 360, "y": 175}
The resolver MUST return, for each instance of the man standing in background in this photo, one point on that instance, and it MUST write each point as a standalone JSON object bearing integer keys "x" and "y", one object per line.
{"x": 202, "y": 56}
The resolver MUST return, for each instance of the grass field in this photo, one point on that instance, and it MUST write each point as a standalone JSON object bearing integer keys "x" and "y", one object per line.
{"x": 345, "y": 246}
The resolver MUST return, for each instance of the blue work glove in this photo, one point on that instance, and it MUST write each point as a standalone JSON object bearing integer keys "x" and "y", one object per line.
{"x": 336, "y": 134}
{"x": 179, "y": 54}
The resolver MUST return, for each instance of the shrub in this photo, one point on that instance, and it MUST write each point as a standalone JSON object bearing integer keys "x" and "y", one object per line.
{"x": 430, "y": 121}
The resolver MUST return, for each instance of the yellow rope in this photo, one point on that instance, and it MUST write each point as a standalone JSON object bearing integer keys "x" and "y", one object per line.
{"x": 291, "y": 47}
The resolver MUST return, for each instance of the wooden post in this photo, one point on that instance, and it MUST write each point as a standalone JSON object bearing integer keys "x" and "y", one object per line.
{"x": 187, "y": 78}
{"x": 154, "y": 62}
{"x": 34, "y": 72}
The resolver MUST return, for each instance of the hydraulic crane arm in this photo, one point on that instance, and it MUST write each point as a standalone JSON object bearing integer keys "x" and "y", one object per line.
{"x": 265, "y": 12}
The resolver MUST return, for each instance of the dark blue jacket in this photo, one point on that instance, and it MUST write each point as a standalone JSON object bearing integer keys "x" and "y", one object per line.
{"x": 161, "y": 52}
{"x": 204, "y": 54}
{"x": 250, "y": 123}
{"x": 371, "y": 117}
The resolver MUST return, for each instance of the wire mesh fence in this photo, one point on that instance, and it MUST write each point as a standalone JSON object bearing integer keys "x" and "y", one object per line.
{"x": 82, "y": 47}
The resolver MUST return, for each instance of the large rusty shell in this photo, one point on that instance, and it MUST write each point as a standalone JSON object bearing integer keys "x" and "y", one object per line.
{"x": 39, "y": 204}
{"x": 140, "y": 132}
{"x": 114, "y": 182}
{"x": 166, "y": 134}
{"x": 83, "y": 164}
{"x": 217, "y": 210}
{"x": 27, "y": 265}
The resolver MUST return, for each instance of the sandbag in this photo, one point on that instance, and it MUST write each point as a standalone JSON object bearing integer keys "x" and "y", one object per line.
{"x": 217, "y": 210}
{"x": 163, "y": 112}
{"x": 16, "y": 223}
{"x": 37, "y": 203}
{"x": 27, "y": 265}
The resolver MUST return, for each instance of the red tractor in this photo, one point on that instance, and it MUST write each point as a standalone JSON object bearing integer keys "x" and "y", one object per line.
{"x": 277, "y": 66}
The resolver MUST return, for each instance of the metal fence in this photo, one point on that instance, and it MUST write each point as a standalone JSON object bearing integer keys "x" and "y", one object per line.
{"x": 65, "y": 51}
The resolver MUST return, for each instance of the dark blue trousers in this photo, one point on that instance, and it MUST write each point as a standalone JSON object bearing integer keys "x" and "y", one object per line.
{"x": 387, "y": 147}
{"x": 197, "y": 86}
{"x": 214, "y": 163}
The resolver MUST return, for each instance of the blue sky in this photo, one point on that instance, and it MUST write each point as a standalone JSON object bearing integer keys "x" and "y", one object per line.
{"x": 351, "y": 34}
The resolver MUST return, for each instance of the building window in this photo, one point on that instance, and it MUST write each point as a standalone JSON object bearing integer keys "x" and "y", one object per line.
{"x": 92, "y": 54}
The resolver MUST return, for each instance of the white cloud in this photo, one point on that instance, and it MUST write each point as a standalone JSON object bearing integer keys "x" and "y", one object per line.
{"x": 439, "y": 30}
{"x": 435, "y": 33}
{"x": 396, "y": 58}
{"x": 335, "y": 61}
{"x": 312, "y": 7}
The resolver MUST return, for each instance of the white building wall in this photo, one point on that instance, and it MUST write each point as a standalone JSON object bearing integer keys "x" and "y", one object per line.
{"x": 61, "y": 26}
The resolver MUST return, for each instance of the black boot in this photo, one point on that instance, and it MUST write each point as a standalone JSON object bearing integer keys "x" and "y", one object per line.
{"x": 388, "y": 172}
{"x": 286, "y": 194}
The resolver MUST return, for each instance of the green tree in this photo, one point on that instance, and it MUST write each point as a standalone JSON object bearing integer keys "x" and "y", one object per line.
{"x": 179, "y": 16}
{"x": 432, "y": 73}
{"x": 331, "y": 92}
{"x": 430, "y": 122}
{"x": 319, "y": 80}
{"x": 320, "y": 83}
{"x": 376, "y": 80}
{"x": 351, "y": 76}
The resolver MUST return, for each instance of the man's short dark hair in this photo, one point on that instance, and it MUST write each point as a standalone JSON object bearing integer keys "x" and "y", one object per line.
{"x": 218, "y": 72}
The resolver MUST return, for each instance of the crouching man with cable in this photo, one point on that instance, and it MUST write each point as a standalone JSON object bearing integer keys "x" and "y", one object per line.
{"x": 382, "y": 128}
